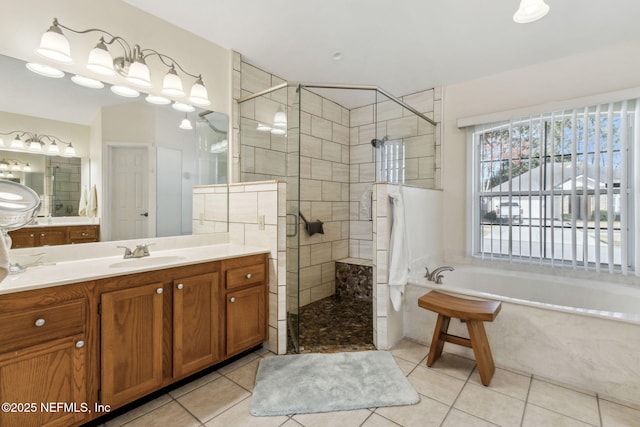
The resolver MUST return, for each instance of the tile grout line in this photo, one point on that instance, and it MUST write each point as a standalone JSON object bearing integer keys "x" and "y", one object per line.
{"x": 526, "y": 400}
{"x": 458, "y": 395}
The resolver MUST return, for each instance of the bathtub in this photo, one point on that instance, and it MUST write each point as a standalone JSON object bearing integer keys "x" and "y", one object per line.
{"x": 583, "y": 333}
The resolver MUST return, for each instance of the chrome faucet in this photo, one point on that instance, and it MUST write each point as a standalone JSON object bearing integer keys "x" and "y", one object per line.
{"x": 435, "y": 275}
{"x": 139, "y": 252}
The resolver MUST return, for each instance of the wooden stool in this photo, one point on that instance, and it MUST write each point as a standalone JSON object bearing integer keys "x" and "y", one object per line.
{"x": 473, "y": 313}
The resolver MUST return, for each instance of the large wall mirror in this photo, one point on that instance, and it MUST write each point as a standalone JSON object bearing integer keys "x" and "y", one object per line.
{"x": 135, "y": 155}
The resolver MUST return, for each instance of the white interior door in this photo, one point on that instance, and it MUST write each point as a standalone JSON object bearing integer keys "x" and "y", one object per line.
{"x": 129, "y": 193}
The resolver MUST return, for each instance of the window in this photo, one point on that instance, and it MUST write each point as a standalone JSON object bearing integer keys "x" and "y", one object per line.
{"x": 557, "y": 188}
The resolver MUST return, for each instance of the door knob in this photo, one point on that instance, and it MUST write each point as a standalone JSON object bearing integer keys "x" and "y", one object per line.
{"x": 80, "y": 344}
{"x": 159, "y": 291}
{"x": 180, "y": 286}
{"x": 144, "y": 214}
{"x": 232, "y": 299}
{"x": 249, "y": 276}
{"x": 39, "y": 322}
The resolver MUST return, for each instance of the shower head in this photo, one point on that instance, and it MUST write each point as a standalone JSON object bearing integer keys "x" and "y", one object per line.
{"x": 377, "y": 143}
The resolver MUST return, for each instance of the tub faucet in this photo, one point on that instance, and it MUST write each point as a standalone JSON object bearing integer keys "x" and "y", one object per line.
{"x": 435, "y": 275}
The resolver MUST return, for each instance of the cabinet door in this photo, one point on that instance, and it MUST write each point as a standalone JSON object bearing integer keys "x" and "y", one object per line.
{"x": 196, "y": 323}
{"x": 131, "y": 355}
{"x": 24, "y": 238}
{"x": 246, "y": 318}
{"x": 52, "y": 236}
{"x": 47, "y": 373}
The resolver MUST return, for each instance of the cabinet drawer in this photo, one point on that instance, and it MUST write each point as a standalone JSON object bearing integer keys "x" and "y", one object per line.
{"x": 243, "y": 276}
{"x": 26, "y": 328}
{"x": 83, "y": 233}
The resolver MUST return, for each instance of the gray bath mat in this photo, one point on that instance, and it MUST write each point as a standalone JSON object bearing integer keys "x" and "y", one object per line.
{"x": 307, "y": 383}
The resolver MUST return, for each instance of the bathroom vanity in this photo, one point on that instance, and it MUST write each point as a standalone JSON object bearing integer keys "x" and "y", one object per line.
{"x": 131, "y": 328}
{"x": 32, "y": 236}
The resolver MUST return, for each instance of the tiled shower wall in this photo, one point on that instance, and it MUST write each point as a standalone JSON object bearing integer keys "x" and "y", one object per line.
{"x": 337, "y": 163}
{"x": 324, "y": 169}
{"x": 257, "y": 219}
{"x": 421, "y": 143}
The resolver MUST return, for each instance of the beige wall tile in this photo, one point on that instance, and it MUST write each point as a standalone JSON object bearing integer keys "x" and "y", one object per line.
{"x": 321, "y": 128}
{"x": 321, "y": 169}
{"x": 361, "y": 116}
{"x": 331, "y": 151}
{"x": 254, "y": 79}
{"x": 311, "y": 103}
{"x": 331, "y": 111}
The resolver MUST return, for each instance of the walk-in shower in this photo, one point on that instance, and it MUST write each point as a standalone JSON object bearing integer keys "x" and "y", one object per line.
{"x": 336, "y": 142}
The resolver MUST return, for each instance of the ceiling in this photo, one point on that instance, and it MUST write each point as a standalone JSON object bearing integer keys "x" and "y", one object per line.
{"x": 401, "y": 46}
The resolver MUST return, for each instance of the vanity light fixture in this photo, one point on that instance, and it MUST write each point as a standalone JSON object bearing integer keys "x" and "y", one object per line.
{"x": 131, "y": 64}
{"x": 280, "y": 119}
{"x": 125, "y": 91}
{"x": 14, "y": 165}
{"x": 530, "y": 11}
{"x": 185, "y": 108}
{"x": 186, "y": 123}
{"x": 38, "y": 142}
{"x": 158, "y": 100}
{"x": 45, "y": 70}
{"x": 87, "y": 82}
{"x": 17, "y": 142}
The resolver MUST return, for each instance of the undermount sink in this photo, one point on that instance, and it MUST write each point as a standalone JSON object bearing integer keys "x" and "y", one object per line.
{"x": 146, "y": 261}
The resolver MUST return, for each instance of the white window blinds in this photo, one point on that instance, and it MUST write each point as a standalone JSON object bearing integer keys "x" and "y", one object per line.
{"x": 557, "y": 188}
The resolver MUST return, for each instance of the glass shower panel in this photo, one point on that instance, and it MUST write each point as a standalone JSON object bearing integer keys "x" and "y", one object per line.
{"x": 270, "y": 150}
{"x": 212, "y": 150}
{"x": 405, "y": 149}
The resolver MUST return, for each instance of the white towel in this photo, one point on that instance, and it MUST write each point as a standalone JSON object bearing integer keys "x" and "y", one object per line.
{"x": 398, "y": 251}
{"x": 4, "y": 257}
{"x": 82, "y": 206}
{"x": 92, "y": 203}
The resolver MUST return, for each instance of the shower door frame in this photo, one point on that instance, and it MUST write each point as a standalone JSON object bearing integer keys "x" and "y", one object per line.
{"x": 294, "y": 243}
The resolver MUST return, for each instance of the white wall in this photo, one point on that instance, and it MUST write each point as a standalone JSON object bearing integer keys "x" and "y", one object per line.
{"x": 590, "y": 73}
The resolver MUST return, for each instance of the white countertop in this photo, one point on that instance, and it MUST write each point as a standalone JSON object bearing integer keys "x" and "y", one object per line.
{"x": 62, "y": 221}
{"x": 67, "y": 272}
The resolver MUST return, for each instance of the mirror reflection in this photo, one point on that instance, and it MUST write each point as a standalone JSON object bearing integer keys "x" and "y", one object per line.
{"x": 139, "y": 160}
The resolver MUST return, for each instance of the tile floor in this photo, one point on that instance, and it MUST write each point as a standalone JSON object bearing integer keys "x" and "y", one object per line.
{"x": 450, "y": 391}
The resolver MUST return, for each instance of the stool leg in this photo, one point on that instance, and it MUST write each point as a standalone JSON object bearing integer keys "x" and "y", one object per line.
{"x": 481, "y": 350}
{"x": 442, "y": 326}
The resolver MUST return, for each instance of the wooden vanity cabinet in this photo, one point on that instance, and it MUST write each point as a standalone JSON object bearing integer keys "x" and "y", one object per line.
{"x": 131, "y": 343}
{"x": 29, "y": 237}
{"x": 117, "y": 339}
{"x": 44, "y": 356}
{"x": 246, "y": 293}
{"x": 196, "y": 323}
{"x": 156, "y": 328}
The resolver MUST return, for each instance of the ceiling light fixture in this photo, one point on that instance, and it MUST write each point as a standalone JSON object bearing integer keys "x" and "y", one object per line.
{"x": 530, "y": 11}
{"x": 38, "y": 143}
{"x": 131, "y": 64}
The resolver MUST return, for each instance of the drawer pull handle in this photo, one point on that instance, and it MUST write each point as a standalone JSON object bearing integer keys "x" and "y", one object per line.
{"x": 80, "y": 344}
{"x": 180, "y": 286}
{"x": 40, "y": 322}
{"x": 159, "y": 291}
{"x": 249, "y": 276}
{"x": 232, "y": 299}
{"x": 42, "y": 234}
